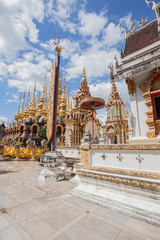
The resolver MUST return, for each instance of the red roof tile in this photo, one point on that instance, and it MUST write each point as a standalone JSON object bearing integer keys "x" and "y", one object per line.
{"x": 142, "y": 38}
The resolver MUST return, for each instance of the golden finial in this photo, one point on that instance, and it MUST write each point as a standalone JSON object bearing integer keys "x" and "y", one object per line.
{"x": 35, "y": 87}
{"x": 39, "y": 96}
{"x": 58, "y": 47}
{"x": 68, "y": 107}
{"x": 18, "y": 112}
{"x": 64, "y": 82}
{"x": 22, "y": 110}
{"x": 84, "y": 71}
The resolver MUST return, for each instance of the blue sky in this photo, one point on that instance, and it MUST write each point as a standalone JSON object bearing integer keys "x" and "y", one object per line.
{"x": 89, "y": 34}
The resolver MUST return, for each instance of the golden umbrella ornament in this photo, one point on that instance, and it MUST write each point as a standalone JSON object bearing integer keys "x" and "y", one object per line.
{"x": 92, "y": 103}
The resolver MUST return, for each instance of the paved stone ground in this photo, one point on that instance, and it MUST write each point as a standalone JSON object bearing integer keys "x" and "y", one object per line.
{"x": 30, "y": 210}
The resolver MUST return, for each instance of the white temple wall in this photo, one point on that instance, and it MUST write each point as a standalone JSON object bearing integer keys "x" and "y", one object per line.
{"x": 142, "y": 109}
{"x": 126, "y": 159}
{"x": 139, "y": 109}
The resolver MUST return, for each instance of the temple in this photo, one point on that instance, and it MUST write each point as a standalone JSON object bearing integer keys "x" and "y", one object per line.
{"x": 141, "y": 68}
{"x": 72, "y": 122}
{"x": 116, "y": 125}
{"x": 126, "y": 177}
{"x": 29, "y": 120}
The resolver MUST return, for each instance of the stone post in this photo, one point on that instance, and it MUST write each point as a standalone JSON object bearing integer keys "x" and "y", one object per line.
{"x": 17, "y": 148}
{"x": 2, "y": 150}
{"x": 33, "y": 149}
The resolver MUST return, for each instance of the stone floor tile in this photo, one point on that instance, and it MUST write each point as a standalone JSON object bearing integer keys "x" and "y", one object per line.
{"x": 69, "y": 212}
{"x": 80, "y": 203}
{"x": 144, "y": 228}
{"x": 37, "y": 228}
{"x": 10, "y": 234}
{"x": 55, "y": 219}
{"x": 3, "y": 223}
{"x": 124, "y": 235}
{"x": 27, "y": 195}
{"x": 20, "y": 213}
{"x": 4, "y": 182}
{"x": 110, "y": 215}
{"x": 80, "y": 232}
{"x": 93, "y": 223}
{"x": 8, "y": 201}
{"x": 14, "y": 188}
{"x": 110, "y": 231}
{"x": 53, "y": 213}
{"x": 3, "y": 193}
{"x": 26, "y": 211}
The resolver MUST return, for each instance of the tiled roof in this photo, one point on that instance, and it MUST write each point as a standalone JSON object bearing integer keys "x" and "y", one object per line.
{"x": 142, "y": 38}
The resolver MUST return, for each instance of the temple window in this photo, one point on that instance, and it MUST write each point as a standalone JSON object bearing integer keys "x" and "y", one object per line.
{"x": 21, "y": 129}
{"x": 34, "y": 130}
{"x": 112, "y": 114}
{"x": 155, "y": 93}
{"x": 157, "y": 107}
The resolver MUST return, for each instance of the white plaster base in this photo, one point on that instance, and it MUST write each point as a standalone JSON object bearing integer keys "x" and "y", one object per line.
{"x": 135, "y": 202}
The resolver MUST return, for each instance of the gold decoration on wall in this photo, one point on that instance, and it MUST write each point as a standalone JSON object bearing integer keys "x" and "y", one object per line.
{"x": 146, "y": 88}
{"x": 136, "y": 183}
{"x": 131, "y": 86}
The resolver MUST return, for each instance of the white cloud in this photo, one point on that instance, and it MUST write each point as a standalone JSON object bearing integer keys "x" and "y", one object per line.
{"x": 68, "y": 47}
{"x": 16, "y": 24}
{"x": 91, "y": 23}
{"x": 127, "y": 20}
{"x": 59, "y": 11}
{"x": 9, "y": 100}
{"x": 104, "y": 89}
{"x": 23, "y": 72}
{"x": 112, "y": 34}
{"x": 3, "y": 119}
{"x": 95, "y": 61}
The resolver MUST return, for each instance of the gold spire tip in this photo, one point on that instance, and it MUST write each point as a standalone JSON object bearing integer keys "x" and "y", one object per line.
{"x": 84, "y": 70}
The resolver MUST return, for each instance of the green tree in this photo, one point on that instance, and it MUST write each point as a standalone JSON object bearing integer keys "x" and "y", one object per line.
{"x": 42, "y": 133}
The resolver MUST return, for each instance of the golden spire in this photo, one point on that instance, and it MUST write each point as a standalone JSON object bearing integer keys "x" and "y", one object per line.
{"x": 83, "y": 90}
{"x": 64, "y": 83}
{"x": 34, "y": 95}
{"x": 59, "y": 94}
{"x": 63, "y": 105}
{"x": 22, "y": 110}
{"x": 27, "y": 106}
{"x": 32, "y": 109}
{"x": 42, "y": 105}
{"x": 38, "y": 105}
{"x": 18, "y": 112}
{"x": 68, "y": 107}
{"x": 39, "y": 97}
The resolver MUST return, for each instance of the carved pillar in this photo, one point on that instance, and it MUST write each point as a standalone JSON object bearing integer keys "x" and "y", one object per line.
{"x": 150, "y": 120}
